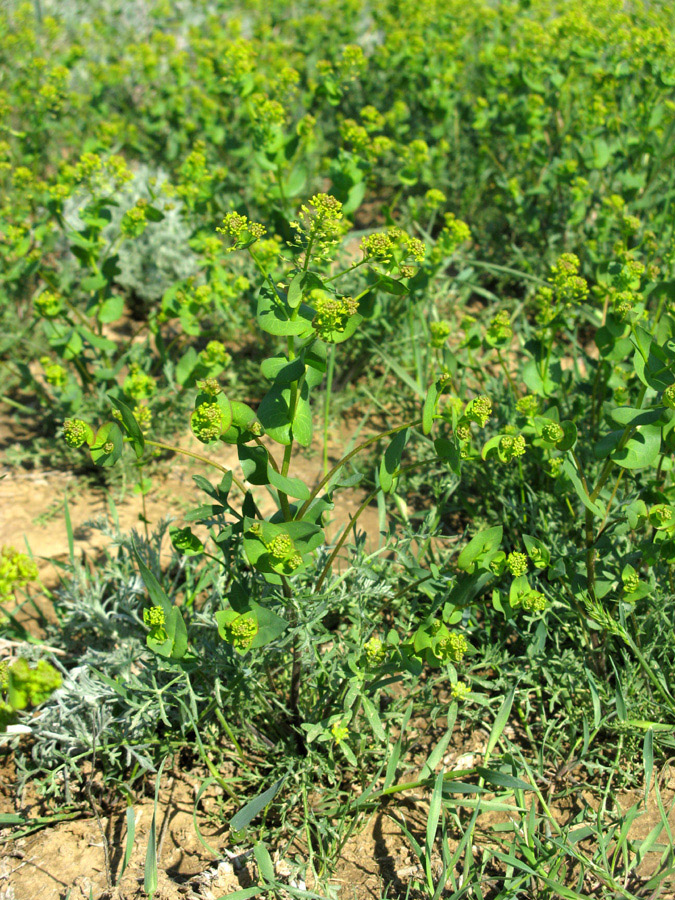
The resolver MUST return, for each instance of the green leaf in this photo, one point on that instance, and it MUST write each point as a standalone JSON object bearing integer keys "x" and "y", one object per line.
{"x": 483, "y": 543}
{"x": 373, "y": 718}
{"x": 265, "y": 864}
{"x": 294, "y": 293}
{"x": 274, "y": 317}
{"x": 501, "y": 779}
{"x": 108, "y": 445}
{"x": 429, "y": 409}
{"x": 185, "y": 541}
{"x": 254, "y": 807}
{"x": 595, "y": 507}
{"x": 111, "y": 309}
{"x": 392, "y": 459}
{"x": 270, "y": 626}
{"x": 626, "y": 415}
{"x": 642, "y": 449}
{"x": 254, "y": 463}
{"x": 302, "y": 420}
{"x": 279, "y": 369}
{"x": 132, "y": 427}
{"x": 390, "y": 286}
{"x": 294, "y": 487}
{"x": 545, "y": 385}
{"x": 186, "y": 365}
{"x": 275, "y": 415}
{"x": 131, "y": 833}
{"x": 156, "y": 592}
{"x": 648, "y": 759}
{"x": 500, "y": 723}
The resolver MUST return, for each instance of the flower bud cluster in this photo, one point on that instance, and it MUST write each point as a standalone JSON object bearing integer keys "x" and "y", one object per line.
{"x": 215, "y": 355}
{"x": 241, "y": 230}
{"x": 241, "y": 631}
{"x": 454, "y": 233}
{"x": 48, "y": 304}
{"x": 439, "y": 333}
{"x": 375, "y": 651}
{"x": 552, "y": 432}
{"x": 16, "y": 570}
{"x": 479, "y": 410}
{"x": 528, "y": 405}
{"x": 206, "y": 422}
{"x": 32, "y": 686}
{"x": 517, "y": 563}
{"x": 511, "y": 447}
{"x": 76, "y": 432}
{"x": 154, "y": 619}
{"x": 332, "y": 313}
{"x": 55, "y": 374}
{"x": 138, "y": 384}
{"x": 531, "y": 601}
{"x": 459, "y": 690}
{"x": 321, "y": 224}
{"x": 393, "y": 249}
{"x": 500, "y": 330}
{"x": 451, "y": 647}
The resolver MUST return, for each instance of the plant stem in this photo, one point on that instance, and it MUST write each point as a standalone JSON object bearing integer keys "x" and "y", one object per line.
{"x": 367, "y": 443}
{"x": 326, "y": 405}
{"x": 209, "y": 462}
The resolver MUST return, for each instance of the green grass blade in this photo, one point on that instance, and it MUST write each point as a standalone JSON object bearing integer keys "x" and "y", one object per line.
{"x": 500, "y": 723}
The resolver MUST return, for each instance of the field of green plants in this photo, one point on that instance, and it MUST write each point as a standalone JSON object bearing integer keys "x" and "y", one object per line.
{"x": 397, "y": 280}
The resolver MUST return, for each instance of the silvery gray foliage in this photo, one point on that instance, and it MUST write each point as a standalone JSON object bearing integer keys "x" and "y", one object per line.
{"x": 151, "y": 263}
{"x": 133, "y": 20}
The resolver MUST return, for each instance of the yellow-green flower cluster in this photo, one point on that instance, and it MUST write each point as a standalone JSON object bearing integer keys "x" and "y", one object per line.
{"x": 215, "y": 355}
{"x": 451, "y": 647}
{"x": 531, "y": 601}
{"x": 242, "y": 630}
{"x": 454, "y": 233}
{"x": 394, "y": 248}
{"x": 55, "y": 374}
{"x": 552, "y": 432}
{"x": 16, "y": 570}
{"x": 439, "y": 332}
{"x": 569, "y": 288}
{"x": 76, "y": 432}
{"x": 517, "y": 563}
{"x": 322, "y": 224}
{"x": 528, "y": 405}
{"x": 210, "y": 387}
{"x": 459, "y": 690}
{"x": 500, "y": 330}
{"x": 668, "y": 397}
{"x": 339, "y": 731}
{"x": 511, "y": 447}
{"x": 355, "y": 136}
{"x": 154, "y": 619}
{"x": 280, "y": 546}
{"x": 332, "y": 313}
{"x": 351, "y": 63}
{"x": 375, "y": 651}
{"x": 241, "y": 230}
{"x": 206, "y": 422}
{"x": 631, "y": 582}
{"x": 32, "y": 685}
{"x": 479, "y": 410}
{"x": 135, "y": 220}
{"x": 661, "y": 515}
{"x": 138, "y": 385}
{"x": 48, "y": 304}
